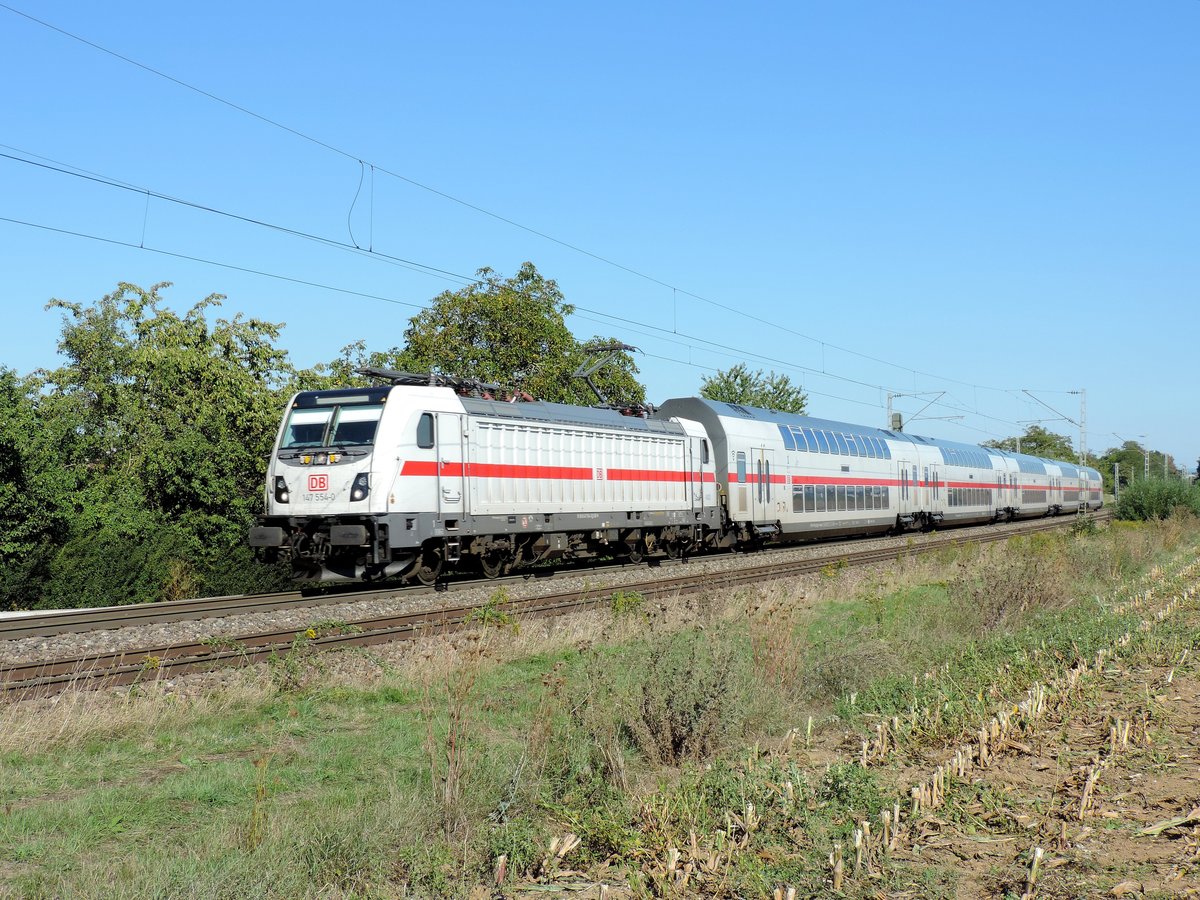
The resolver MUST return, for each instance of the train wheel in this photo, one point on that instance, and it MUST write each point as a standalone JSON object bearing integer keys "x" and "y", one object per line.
{"x": 494, "y": 563}
{"x": 428, "y": 566}
{"x": 636, "y": 552}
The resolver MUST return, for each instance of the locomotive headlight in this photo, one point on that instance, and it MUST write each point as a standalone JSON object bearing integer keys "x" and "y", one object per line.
{"x": 281, "y": 490}
{"x": 361, "y": 486}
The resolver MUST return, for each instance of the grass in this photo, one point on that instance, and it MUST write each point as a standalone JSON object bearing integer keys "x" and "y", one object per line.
{"x": 665, "y": 735}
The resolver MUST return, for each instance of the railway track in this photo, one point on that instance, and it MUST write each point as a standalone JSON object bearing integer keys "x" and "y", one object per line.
{"x": 131, "y": 666}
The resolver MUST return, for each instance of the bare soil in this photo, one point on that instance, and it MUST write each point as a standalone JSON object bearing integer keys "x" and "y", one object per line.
{"x": 1031, "y": 796}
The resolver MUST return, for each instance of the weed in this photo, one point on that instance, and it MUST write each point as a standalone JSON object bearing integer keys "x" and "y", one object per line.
{"x": 256, "y": 830}
{"x": 491, "y": 614}
{"x": 180, "y": 582}
{"x": 774, "y": 644}
{"x": 520, "y": 841}
{"x": 852, "y": 788}
{"x": 626, "y": 602}
{"x": 220, "y": 643}
{"x": 833, "y": 569}
{"x": 688, "y": 699}
{"x": 325, "y": 627}
{"x": 426, "y": 868}
{"x": 1031, "y": 574}
{"x": 446, "y": 709}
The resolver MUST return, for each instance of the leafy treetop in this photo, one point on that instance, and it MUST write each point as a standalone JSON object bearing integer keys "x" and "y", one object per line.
{"x": 1037, "y": 441}
{"x": 739, "y": 385}
{"x": 507, "y": 331}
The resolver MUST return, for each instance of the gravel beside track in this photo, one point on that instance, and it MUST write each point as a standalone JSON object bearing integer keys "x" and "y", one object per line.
{"x": 33, "y": 649}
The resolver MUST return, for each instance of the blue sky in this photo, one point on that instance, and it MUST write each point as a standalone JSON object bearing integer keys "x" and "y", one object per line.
{"x": 972, "y": 198}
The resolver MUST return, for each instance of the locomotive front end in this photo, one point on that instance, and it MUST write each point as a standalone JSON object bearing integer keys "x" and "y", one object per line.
{"x": 325, "y": 493}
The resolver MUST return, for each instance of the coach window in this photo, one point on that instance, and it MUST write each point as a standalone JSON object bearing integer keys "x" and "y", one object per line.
{"x": 810, "y": 499}
{"x": 820, "y": 436}
{"x": 812, "y": 440}
{"x": 425, "y": 431}
{"x": 841, "y": 444}
{"x": 741, "y": 468}
{"x": 704, "y": 451}
{"x": 758, "y": 482}
{"x": 767, "y": 468}
{"x": 820, "y": 497}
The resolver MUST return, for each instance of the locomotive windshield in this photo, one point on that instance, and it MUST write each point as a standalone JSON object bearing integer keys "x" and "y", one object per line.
{"x": 331, "y": 426}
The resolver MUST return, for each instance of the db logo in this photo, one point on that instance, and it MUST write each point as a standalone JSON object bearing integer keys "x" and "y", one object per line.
{"x": 318, "y": 482}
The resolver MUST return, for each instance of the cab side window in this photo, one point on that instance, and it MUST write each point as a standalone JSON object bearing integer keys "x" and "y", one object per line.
{"x": 425, "y": 431}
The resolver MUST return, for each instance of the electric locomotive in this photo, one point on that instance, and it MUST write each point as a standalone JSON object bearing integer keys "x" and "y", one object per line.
{"x": 418, "y": 477}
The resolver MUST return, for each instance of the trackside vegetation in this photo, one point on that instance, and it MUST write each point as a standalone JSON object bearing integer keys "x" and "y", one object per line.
{"x": 1157, "y": 498}
{"x": 708, "y": 748}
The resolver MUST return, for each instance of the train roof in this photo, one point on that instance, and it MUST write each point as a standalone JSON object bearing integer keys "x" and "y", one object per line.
{"x": 953, "y": 452}
{"x": 566, "y": 414}
{"x": 775, "y": 417}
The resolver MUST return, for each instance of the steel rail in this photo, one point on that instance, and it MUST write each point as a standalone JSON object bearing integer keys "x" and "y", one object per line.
{"x": 125, "y": 667}
{"x": 78, "y": 621}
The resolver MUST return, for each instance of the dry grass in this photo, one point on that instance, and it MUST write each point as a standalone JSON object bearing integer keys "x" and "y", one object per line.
{"x": 78, "y": 716}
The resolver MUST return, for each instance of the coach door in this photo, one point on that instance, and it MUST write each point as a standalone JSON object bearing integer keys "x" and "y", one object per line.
{"x": 451, "y": 459}
{"x": 763, "y": 492}
{"x": 906, "y": 488}
{"x": 697, "y": 452}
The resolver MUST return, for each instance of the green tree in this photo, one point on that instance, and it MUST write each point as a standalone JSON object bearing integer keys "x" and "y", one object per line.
{"x": 740, "y": 385}
{"x": 1037, "y": 441}
{"x": 163, "y": 423}
{"x": 1131, "y": 459}
{"x": 35, "y": 490}
{"x": 506, "y": 331}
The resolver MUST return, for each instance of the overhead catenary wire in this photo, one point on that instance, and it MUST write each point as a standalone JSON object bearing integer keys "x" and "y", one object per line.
{"x": 369, "y": 296}
{"x": 211, "y": 262}
{"x": 732, "y": 352}
{"x": 354, "y": 157}
{"x": 670, "y": 336}
{"x": 334, "y": 288}
{"x": 75, "y": 172}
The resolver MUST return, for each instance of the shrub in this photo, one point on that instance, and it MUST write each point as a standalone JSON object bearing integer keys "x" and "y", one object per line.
{"x": 1157, "y": 498}
{"x": 1030, "y": 574}
{"x": 689, "y": 699}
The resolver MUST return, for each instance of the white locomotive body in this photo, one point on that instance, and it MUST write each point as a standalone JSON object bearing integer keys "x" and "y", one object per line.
{"x": 425, "y": 478}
